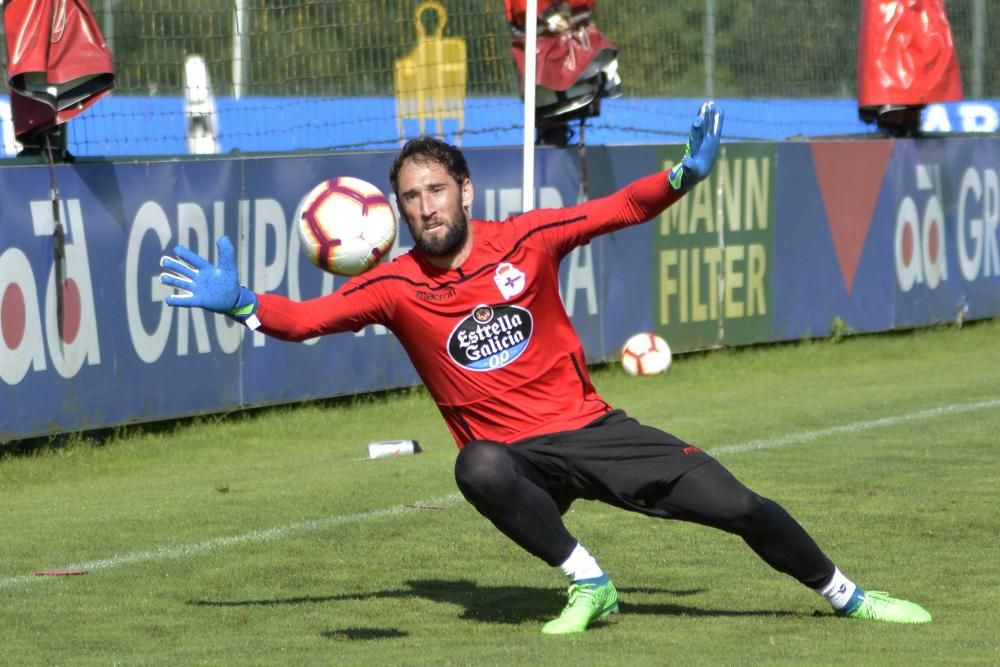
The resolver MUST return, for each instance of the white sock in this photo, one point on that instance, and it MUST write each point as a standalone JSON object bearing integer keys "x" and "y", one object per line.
{"x": 581, "y": 565}
{"x": 839, "y": 591}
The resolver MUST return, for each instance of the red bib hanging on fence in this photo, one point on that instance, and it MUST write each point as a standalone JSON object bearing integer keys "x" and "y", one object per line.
{"x": 58, "y": 63}
{"x": 906, "y": 55}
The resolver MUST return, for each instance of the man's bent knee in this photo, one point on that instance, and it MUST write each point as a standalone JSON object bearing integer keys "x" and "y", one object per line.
{"x": 482, "y": 468}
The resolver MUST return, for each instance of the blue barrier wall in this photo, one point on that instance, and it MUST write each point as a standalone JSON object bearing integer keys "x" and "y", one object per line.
{"x": 885, "y": 234}
{"x": 876, "y": 234}
{"x": 121, "y": 125}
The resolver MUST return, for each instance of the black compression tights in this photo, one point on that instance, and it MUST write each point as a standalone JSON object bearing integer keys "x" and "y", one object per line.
{"x": 509, "y": 492}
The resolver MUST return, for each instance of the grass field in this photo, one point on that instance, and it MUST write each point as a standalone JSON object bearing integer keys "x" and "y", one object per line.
{"x": 269, "y": 539}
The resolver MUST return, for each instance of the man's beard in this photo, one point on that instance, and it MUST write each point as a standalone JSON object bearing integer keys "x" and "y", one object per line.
{"x": 452, "y": 240}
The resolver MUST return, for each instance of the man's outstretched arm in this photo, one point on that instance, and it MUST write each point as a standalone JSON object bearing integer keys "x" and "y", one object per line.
{"x": 642, "y": 199}
{"x": 200, "y": 284}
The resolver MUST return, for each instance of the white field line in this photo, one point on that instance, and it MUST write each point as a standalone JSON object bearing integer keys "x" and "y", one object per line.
{"x": 252, "y": 537}
{"x": 280, "y": 532}
{"x": 855, "y": 427}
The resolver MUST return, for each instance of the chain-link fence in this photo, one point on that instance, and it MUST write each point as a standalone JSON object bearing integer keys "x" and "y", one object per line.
{"x": 288, "y": 74}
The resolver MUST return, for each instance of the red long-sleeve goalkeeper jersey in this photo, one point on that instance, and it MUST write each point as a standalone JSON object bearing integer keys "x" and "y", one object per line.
{"x": 490, "y": 339}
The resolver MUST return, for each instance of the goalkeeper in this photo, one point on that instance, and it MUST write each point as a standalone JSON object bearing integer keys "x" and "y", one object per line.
{"x": 476, "y": 306}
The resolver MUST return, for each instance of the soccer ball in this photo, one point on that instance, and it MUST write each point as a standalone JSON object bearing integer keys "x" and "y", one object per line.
{"x": 346, "y": 225}
{"x": 646, "y": 354}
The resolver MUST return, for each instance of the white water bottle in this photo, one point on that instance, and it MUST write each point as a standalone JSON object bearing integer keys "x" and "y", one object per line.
{"x": 385, "y": 449}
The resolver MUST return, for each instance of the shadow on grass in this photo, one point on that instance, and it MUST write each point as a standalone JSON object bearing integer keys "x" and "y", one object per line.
{"x": 364, "y": 634}
{"x": 503, "y": 604}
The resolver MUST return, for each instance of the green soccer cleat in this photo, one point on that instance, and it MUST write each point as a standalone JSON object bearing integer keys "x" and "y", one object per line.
{"x": 879, "y": 606}
{"x": 587, "y": 603}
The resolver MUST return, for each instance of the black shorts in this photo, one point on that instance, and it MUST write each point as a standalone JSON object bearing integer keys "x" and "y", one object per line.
{"x": 614, "y": 459}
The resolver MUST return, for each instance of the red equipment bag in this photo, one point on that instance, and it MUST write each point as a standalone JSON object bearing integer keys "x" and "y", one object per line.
{"x": 566, "y": 57}
{"x": 575, "y": 65}
{"x": 58, "y": 63}
{"x": 906, "y": 55}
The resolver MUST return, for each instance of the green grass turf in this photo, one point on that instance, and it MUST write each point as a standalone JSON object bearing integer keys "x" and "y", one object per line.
{"x": 270, "y": 539}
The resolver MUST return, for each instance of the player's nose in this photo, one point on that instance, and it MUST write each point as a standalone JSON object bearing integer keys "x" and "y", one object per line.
{"x": 427, "y": 207}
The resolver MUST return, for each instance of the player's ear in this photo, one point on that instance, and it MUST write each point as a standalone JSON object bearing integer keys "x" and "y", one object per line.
{"x": 468, "y": 194}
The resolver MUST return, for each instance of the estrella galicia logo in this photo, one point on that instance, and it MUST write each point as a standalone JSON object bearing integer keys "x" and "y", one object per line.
{"x": 490, "y": 337}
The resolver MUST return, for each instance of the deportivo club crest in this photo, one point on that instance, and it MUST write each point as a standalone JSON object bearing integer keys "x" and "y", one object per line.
{"x": 490, "y": 337}
{"x": 510, "y": 280}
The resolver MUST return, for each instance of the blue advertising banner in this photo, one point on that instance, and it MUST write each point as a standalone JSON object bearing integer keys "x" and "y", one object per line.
{"x": 872, "y": 235}
{"x": 877, "y": 235}
{"x": 101, "y": 363}
{"x": 823, "y": 269}
{"x": 944, "y": 219}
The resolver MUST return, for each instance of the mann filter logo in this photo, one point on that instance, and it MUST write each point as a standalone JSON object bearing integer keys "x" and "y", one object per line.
{"x": 490, "y": 338}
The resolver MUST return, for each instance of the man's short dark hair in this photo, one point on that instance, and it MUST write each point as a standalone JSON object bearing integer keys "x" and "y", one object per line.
{"x": 429, "y": 149}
